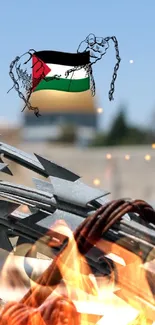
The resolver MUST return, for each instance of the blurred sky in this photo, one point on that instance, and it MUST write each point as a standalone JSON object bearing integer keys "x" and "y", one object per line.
{"x": 62, "y": 25}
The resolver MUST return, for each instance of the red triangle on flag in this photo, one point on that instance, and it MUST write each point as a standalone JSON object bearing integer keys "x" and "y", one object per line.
{"x": 39, "y": 71}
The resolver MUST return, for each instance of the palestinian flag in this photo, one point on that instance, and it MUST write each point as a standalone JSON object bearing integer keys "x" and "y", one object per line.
{"x": 52, "y": 89}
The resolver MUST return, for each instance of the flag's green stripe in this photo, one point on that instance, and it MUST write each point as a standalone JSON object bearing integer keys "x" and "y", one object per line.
{"x": 70, "y": 85}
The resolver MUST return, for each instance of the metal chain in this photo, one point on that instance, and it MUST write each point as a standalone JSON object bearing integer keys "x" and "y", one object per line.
{"x": 25, "y": 78}
{"x": 26, "y": 82}
{"x": 89, "y": 70}
{"x": 17, "y": 88}
{"x": 114, "y": 76}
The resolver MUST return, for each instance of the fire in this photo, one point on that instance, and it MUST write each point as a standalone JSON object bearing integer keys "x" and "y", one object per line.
{"x": 77, "y": 295}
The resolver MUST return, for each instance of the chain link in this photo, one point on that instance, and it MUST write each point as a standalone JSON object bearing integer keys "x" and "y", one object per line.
{"x": 17, "y": 88}
{"x": 114, "y": 76}
{"x": 89, "y": 70}
{"x": 27, "y": 82}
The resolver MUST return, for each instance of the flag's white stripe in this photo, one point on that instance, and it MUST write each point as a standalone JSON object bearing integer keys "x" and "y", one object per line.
{"x": 57, "y": 69}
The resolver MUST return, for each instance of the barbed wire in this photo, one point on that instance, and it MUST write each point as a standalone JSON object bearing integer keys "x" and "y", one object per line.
{"x": 86, "y": 236}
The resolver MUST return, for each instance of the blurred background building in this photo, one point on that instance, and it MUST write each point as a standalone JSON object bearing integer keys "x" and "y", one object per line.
{"x": 120, "y": 160}
{"x": 65, "y": 117}
{"x": 72, "y": 126}
{"x": 120, "y": 156}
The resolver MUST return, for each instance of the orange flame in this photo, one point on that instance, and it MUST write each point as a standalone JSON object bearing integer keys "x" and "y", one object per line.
{"x": 98, "y": 300}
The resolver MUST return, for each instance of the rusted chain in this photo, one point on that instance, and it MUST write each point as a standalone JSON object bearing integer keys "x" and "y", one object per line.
{"x": 59, "y": 311}
{"x": 86, "y": 236}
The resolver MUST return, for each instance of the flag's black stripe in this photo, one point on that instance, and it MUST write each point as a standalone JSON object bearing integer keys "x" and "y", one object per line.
{"x": 72, "y": 59}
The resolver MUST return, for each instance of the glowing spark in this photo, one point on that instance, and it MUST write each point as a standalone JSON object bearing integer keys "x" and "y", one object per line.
{"x": 127, "y": 157}
{"x": 108, "y": 156}
{"x": 153, "y": 145}
{"x": 96, "y": 181}
{"x": 100, "y": 110}
{"x": 25, "y": 209}
{"x": 147, "y": 157}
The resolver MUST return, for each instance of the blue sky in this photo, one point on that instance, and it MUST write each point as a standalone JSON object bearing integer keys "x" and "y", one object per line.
{"x": 61, "y": 25}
